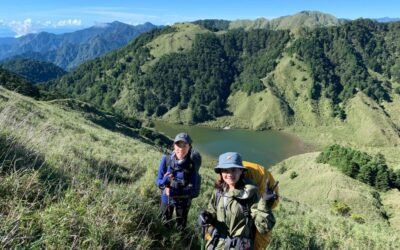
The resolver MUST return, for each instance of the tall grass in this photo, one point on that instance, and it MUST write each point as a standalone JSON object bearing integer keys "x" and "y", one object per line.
{"x": 303, "y": 227}
{"x": 67, "y": 183}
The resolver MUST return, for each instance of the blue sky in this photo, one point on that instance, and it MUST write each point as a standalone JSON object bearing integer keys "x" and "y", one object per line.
{"x": 20, "y": 17}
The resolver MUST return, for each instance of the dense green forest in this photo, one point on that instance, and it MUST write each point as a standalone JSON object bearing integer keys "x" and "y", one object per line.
{"x": 101, "y": 81}
{"x": 34, "y": 71}
{"x": 340, "y": 57}
{"x": 204, "y": 75}
{"x": 17, "y": 84}
{"x": 340, "y": 61}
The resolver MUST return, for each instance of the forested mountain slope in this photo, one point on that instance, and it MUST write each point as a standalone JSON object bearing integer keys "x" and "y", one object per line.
{"x": 307, "y": 77}
{"x": 16, "y": 83}
{"x": 34, "y": 71}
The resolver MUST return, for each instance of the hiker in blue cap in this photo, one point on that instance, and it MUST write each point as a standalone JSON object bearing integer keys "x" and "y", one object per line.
{"x": 235, "y": 207}
{"x": 178, "y": 178}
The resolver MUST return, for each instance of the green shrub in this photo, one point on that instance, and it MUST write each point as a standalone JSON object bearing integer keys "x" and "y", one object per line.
{"x": 340, "y": 208}
{"x": 282, "y": 169}
{"x": 293, "y": 175}
{"x": 357, "y": 218}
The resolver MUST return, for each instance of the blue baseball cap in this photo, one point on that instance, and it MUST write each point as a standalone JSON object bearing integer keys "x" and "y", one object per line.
{"x": 229, "y": 160}
{"x": 183, "y": 137}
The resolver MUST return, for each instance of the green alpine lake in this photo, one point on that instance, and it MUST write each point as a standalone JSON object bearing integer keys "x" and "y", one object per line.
{"x": 264, "y": 147}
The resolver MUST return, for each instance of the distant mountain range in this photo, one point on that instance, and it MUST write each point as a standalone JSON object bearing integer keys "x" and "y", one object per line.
{"x": 71, "y": 49}
{"x": 387, "y": 19}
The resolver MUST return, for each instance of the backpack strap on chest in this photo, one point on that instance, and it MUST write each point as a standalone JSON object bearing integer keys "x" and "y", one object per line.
{"x": 243, "y": 206}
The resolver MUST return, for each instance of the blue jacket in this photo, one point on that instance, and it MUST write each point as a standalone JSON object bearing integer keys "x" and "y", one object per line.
{"x": 185, "y": 179}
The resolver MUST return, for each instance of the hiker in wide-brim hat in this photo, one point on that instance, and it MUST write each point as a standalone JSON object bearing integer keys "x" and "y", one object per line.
{"x": 235, "y": 207}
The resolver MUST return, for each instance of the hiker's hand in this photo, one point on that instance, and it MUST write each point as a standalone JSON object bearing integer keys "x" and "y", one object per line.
{"x": 205, "y": 218}
{"x": 166, "y": 190}
{"x": 169, "y": 175}
{"x": 270, "y": 195}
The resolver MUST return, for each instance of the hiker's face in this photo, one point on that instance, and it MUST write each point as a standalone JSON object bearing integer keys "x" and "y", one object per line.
{"x": 181, "y": 149}
{"x": 231, "y": 176}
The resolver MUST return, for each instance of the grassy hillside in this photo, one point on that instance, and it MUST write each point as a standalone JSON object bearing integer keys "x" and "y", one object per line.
{"x": 329, "y": 185}
{"x": 366, "y": 117}
{"x": 327, "y": 85}
{"x": 313, "y": 196}
{"x": 391, "y": 201}
{"x": 285, "y": 104}
{"x": 301, "y": 226}
{"x": 182, "y": 39}
{"x": 261, "y": 110}
{"x": 66, "y": 181}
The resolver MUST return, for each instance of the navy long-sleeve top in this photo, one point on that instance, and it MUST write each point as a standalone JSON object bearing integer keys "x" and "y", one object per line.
{"x": 187, "y": 184}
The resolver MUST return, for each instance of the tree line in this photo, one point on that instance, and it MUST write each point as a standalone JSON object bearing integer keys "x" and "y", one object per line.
{"x": 371, "y": 170}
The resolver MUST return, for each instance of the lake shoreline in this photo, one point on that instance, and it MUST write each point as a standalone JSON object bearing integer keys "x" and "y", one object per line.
{"x": 266, "y": 147}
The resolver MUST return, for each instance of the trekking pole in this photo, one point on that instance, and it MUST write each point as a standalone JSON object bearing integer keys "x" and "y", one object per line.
{"x": 203, "y": 234}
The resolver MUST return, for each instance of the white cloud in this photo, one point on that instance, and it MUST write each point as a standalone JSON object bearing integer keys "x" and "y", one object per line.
{"x": 68, "y": 22}
{"x": 101, "y": 25}
{"x": 22, "y": 27}
{"x": 28, "y": 26}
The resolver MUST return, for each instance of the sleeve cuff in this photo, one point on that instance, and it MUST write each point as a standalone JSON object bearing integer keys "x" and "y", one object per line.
{"x": 263, "y": 205}
{"x": 165, "y": 181}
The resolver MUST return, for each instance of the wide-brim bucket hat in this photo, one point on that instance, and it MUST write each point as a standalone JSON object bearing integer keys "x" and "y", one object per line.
{"x": 229, "y": 160}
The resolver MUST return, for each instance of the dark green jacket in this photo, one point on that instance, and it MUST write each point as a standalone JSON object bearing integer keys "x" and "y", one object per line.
{"x": 231, "y": 220}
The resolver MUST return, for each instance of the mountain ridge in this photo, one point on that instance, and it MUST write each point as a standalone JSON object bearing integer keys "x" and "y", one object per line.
{"x": 70, "y": 49}
{"x": 309, "y": 19}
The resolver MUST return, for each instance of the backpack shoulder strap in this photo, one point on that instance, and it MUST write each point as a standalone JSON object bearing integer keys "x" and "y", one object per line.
{"x": 167, "y": 161}
{"x": 218, "y": 195}
{"x": 195, "y": 159}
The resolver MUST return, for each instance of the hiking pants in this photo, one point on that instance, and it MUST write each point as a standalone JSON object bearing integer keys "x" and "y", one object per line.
{"x": 181, "y": 207}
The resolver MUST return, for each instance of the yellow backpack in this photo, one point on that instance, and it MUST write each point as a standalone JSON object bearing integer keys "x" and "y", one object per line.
{"x": 259, "y": 175}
